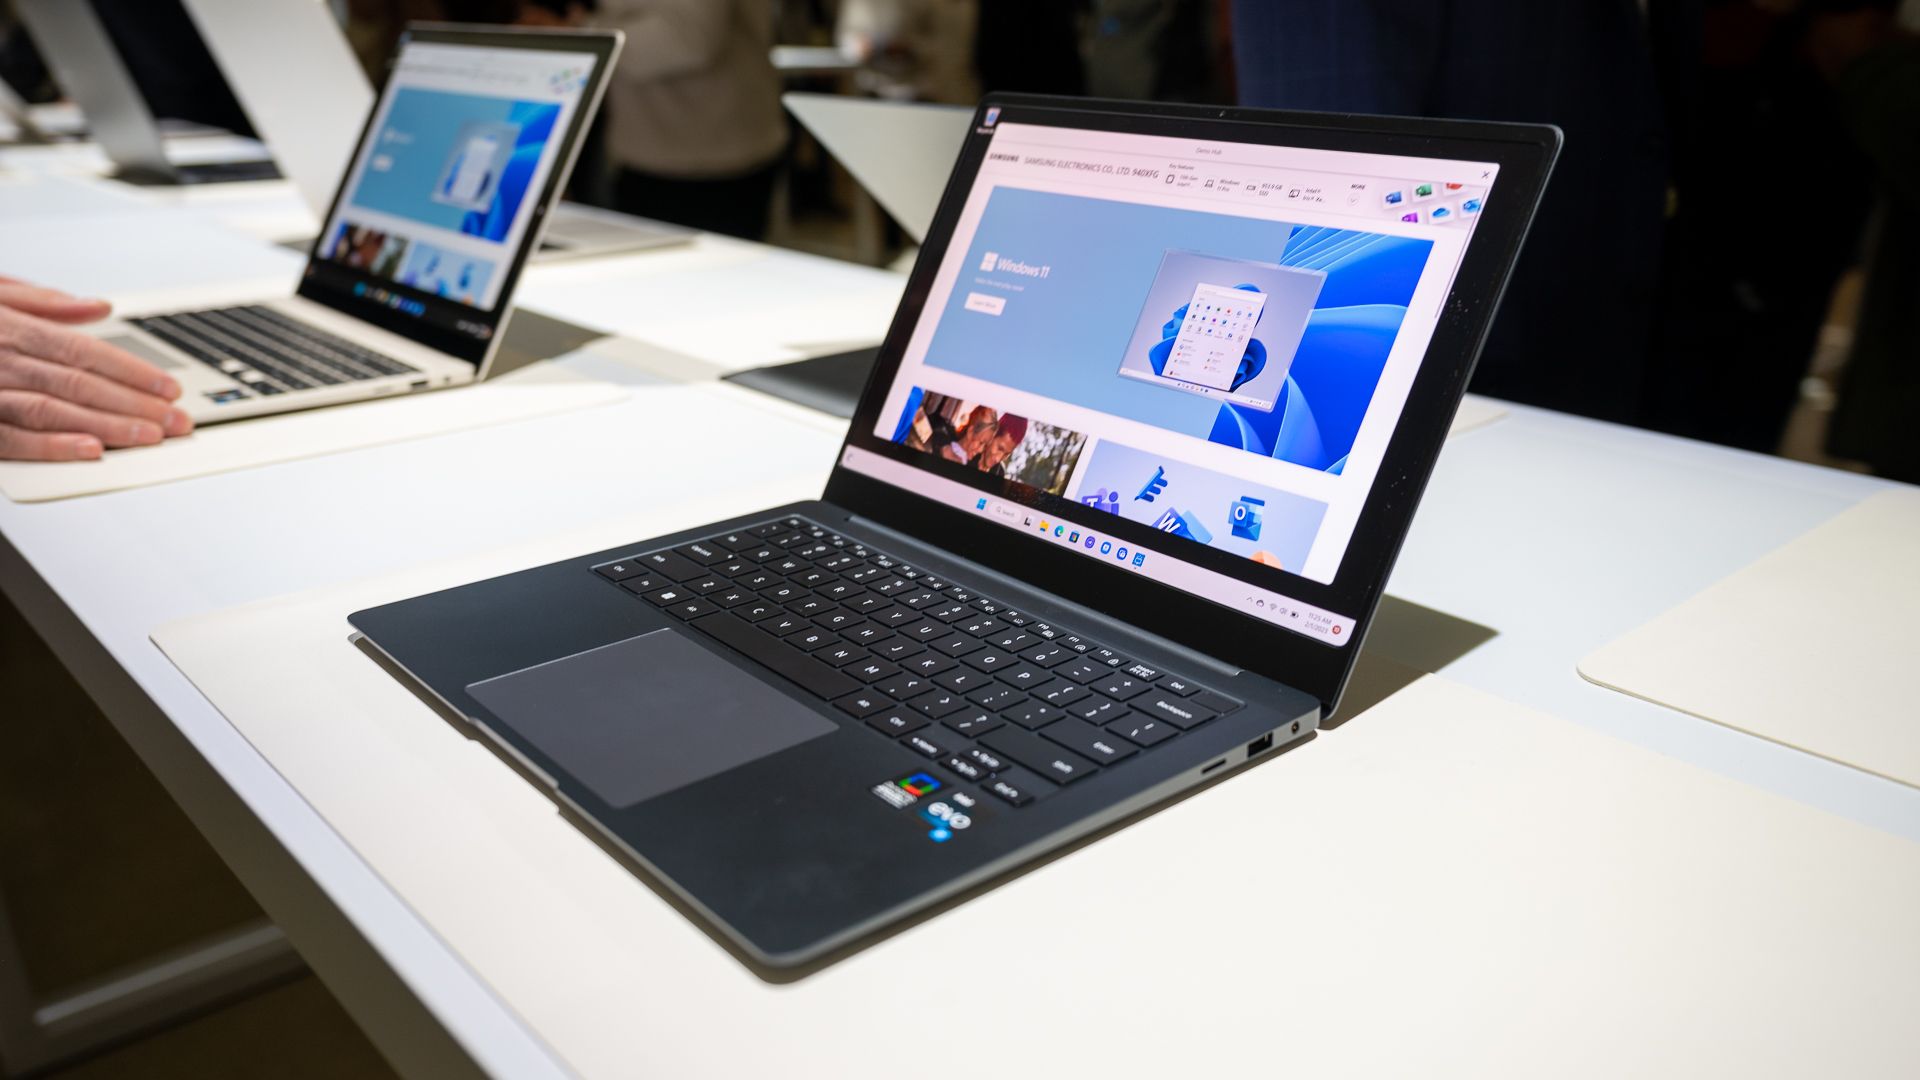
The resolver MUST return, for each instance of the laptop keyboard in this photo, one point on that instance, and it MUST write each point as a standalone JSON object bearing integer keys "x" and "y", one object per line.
{"x": 1016, "y": 705}
{"x": 267, "y": 352}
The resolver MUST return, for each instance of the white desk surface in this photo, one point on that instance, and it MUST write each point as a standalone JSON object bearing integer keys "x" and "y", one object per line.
{"x": 1556, "y": 532}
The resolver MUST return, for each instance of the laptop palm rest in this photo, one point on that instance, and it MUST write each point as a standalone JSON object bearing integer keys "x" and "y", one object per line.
{"x": 647, "y": 715}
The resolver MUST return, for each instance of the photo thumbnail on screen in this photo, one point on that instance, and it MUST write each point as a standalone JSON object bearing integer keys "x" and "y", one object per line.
{"x": 1222, "y": 327}
{"x": 989, "y": 440}
{"x": 367, "y": 249}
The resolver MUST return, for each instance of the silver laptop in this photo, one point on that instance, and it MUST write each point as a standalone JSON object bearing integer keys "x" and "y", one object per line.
{"x": 408, "y": 285}
{"x": 902, "y": 153}
{"x": 290, "y": 65}
{"x": 84, "y": 60}
{"x": 13, "y": 111}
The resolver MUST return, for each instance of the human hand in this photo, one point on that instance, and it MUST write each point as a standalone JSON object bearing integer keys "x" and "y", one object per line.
{"x": 66, "y": 396}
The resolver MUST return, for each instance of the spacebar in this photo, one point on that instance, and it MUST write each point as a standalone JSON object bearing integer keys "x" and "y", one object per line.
{"x": 771, "y": 652}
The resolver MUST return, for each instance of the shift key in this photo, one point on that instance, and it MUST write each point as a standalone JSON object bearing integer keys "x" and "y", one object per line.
{"x": 1056, "y": 764}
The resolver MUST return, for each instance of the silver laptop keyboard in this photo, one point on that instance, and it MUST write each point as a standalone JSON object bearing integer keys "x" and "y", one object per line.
{"x": 268, "y": 352}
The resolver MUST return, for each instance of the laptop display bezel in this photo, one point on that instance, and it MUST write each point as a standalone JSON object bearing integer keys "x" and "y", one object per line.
{"x": 1524, "y": 155}
{"x": 604, "y": 46}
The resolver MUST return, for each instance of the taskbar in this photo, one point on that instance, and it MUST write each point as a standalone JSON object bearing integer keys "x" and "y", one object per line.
{"x": 1223, "y": 589}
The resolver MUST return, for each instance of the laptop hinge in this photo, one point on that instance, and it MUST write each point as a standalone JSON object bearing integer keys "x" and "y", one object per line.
{"x": 1186, "y": 653}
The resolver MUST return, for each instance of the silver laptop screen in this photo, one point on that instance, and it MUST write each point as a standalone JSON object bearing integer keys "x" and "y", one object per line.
{"x": 442, "y": 189}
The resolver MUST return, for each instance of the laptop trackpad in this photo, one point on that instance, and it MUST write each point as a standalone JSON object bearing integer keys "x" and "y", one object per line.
{"x": 644, "y": 716}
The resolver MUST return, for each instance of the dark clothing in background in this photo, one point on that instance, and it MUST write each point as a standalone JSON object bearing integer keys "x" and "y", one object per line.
{"x": 176, "y": 74}
{"x": 1029, "y": 46}
{"x": 737, "y": 206}
{"x": 1573, "y": 331}
{"x": 1878, "y": 417}
{"x": 1748, "y": 275}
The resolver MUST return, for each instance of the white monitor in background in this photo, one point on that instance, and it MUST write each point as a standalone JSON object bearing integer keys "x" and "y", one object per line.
{"x": 902, "y": 153}
{"x": 302, "y": 88}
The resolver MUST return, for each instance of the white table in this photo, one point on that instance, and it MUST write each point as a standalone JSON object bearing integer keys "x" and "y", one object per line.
{"x": 1559, "y": 533}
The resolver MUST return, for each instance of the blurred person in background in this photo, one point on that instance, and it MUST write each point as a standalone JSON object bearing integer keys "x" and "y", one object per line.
{"x": 1875, "y": 69}
{"x": 1574, "y": 329}
{"x": 695, "y": 129}
{"x": 1030, "y": 46}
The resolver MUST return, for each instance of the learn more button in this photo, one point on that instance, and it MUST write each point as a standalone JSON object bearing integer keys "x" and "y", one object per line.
{"x": 985, "y": 304}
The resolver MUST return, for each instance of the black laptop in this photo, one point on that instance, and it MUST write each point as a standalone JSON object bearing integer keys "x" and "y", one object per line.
{"x": 1112, "y": 516}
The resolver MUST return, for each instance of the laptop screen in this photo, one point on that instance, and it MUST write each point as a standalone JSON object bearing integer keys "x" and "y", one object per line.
{"x": 431, "y": 220}
{"x": 1155, "y": 351}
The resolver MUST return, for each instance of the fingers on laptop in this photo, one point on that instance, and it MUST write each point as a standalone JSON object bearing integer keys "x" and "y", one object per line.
{"x": 29, "y": 335}
{"x": 50, "y": 303}
{"x": 41, "y": 427}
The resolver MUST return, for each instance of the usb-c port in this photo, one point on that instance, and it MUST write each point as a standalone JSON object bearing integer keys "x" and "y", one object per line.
{"x": 417, "y": 384}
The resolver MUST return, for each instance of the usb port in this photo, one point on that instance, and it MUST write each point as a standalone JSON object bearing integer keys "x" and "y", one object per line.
{"x": 1260, "y": 745}
{"x": 417, "y": 384}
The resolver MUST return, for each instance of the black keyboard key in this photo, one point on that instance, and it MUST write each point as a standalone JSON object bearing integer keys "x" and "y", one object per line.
{"x": 691, "y": 609}
{"x": 920, "y": 598}
{"x": 619, "y": 571}
{"x": 1109, "y": 658}
{"x": 929, "y": 664}
{"x": 995, "y": 696}
{"x": 1179, "y": 686}
{"x": 810, "y": 606}
{"x": 813, "y": 639}
{"x": 731, "y": 597}
{"x": 705, "y": 585}
{"x": 991, "y": 607}
{"x": 645, "y": 583}
{"x": 905, "y": 684}
{"x": 920, "y": 744}
{"x": 1076, "y": 643}
{"x": 987, "y": 759}
{"x": 924, "y": 631}
{"x": 962, "y": 679}
{"x": 939, "y": 703}
{"x": 870, "y": 605}
{"x": 839, "y": 562}
{"x": 1080, "y": 670}
{"x": 892, "y": 586}
{"x": 764, "y": 554}
{"x": 1014, "y": 618}
{"x": 1097, "y": 710}
{"x": 759, "y": 610}
{"x": 862, "y": 574}
{"x": 947, "y": 613}
{"x": 759, "y": 579}
{"x": 704, "y": 553}
{"x": 1056, "y": 763}
{"x": 1032, "y": 714}
{"x": 1015, "y": 789}
{"x": 732, "y": 568}
{"x": 1182, "y": 713}
{"x": 898, "y": 649}
{"x": 788, "y": 566}
{"x": 1102, "y": 747}
{"x": 1121, "y": 686}
{"x": 838, "y": 619}
{"x": 672, "y": 594}
{"x": 783, "y": 625}
{"x": 677, "y": 567}
{"x": 863, "y": 703}
{"x": 871, "y": 670}
{"x": 771, "y": 528}
{"x": 1143, "y": 729}
{"x": 980, "y": 627}
{"x": 736, "y": 541}
{"x": 783, "y": 592}
{"x": 1047, "y": 655}
{"x": 842, "y": 654}
{"x": 1142, "y": 672}
{"x": 1060, "y": 693}
{"x": 973, "y": 722}
{"x": 1012, "y": 640}
{"x": 1024, "y": 676}
{"x": 775, "y": 655}
{"x": 896, "y": 721}
{"x": 958, "y": 645}
{"x": 895, "y": 617}
{"x": 964, "y": 769}
{"x": 812, "y": 579}
{"x": 990, "y": 660}
{"x": 867, "y": 634}
{"x": 838, "y": 590}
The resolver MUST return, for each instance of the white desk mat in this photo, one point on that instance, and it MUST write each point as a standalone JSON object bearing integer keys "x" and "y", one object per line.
{"x": 1448, "y": 885}
{"x": 1813, "y": 645}
{"x": 537, "y": 390}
